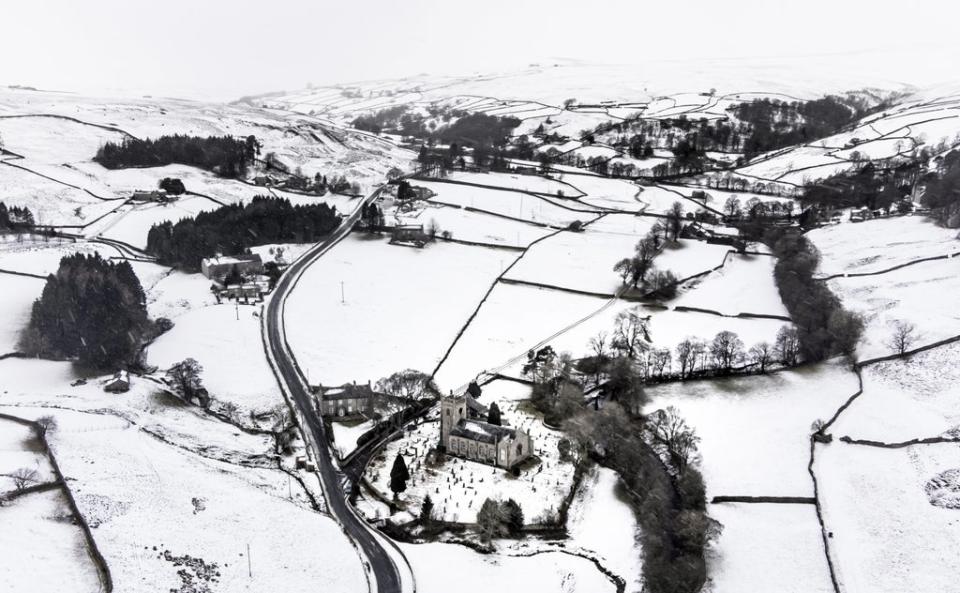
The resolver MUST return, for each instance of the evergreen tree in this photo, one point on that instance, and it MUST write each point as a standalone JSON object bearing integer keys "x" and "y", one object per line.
{"x": 399, "y": 475}
{"x": 512, "y": 516}
{"x": 426, "y": 510}
{"x": 493, "y": 416}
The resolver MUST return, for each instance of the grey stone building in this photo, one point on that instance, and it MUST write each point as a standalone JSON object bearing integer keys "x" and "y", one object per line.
{"x": 477, "y": 440}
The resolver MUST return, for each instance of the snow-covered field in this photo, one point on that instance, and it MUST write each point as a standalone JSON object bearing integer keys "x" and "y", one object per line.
{"x": 603, "y": 523}
{"x": 140, "y": 458}
{"x": 132, "y": 225}
{"x": 922, "y": 294}
{"x": 743, "y": 285}
{"x": 906, "y": 399}
{"x": 442, "y": 567}
{"x": 477, "y": 227}
{"x": 686, "y": 258}
{"x": 581, "y": 261}
{"x": 755, "y": 431}
{"x": 888, "y": 537}
{"x": 508, "y": 203}
{"x": 393, "y": 295}
{"x": 876, "y": 245}
{"x": 43, "y": 551}
{"x": 458, "y": 487}
{"x": 767, "y": 547}
{"x": 226, "y": 340}
{"x": 16, "y": 302}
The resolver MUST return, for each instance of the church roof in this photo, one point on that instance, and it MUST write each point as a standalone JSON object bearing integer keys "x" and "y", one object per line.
{"x": 484, "y": 432}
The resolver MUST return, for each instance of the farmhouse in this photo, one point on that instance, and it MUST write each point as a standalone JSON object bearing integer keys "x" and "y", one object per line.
{"x": 119, "y": 383}
{"x": 346, "y": 400}
{"x": 157, "y": 195}
{"x": 476, "y": 440}
{"x": 216, "y": 268}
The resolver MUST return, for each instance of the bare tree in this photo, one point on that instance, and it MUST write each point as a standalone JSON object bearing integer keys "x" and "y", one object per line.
{"x": 732, "y": 206}
{"x": 408, "y": 384}
{"x": 22, "y": 477}
{"x": 788, "y": 345}
{"x": 185, "y": 379}
{"x": 598, "y": 345}
{"x": 686, "y": 357}
{"x": 660, "y": 359}
{"x": 46, "y": 424}
{"x": 671, "y": 437}
{"x": 903, "y": 336}
{"x": 726, "y": 350}
{"x": 761, "y": 354}
{"x": 631, "y": 336}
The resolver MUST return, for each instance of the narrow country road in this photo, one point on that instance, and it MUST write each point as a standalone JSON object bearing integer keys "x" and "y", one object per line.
{"x": 386, "y": 576}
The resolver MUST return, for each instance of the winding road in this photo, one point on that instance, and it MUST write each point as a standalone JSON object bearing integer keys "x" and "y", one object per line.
{"x": 385, "y": 572}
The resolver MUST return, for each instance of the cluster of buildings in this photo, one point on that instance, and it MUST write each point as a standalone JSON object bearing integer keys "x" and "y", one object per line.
{"x": 237, "y": 276}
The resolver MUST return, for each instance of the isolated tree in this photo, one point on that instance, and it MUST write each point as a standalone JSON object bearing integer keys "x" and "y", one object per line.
{"x": 671, "y": 437}
{"x": 902, "y": 337}
{"x": 399, "y": 475}
{"x": 426, "y": 511}
{"x": 409, "y": 384}
{"x": 46, "y": 425}
{"x": 185, "y": 379}
{"x": 675, "y": 220}
{"x": 490, "y": 520}
{"x": 512, "y": 516}
{"x": 788, "y": 345}
{"x": 726, "y": 350}
{"x": 631, "y": 334}
{"x": 761, "y": 354}
{"x": 732, "y": 207}
{"x": 22, "y": 477}
{"x": 493, "y": 414}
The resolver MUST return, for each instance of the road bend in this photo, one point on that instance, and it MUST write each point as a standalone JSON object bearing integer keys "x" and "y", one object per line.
{"x": 385, "y": 572}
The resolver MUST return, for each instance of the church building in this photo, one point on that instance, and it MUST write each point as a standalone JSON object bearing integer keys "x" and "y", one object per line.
{"x": 477, "y": 440}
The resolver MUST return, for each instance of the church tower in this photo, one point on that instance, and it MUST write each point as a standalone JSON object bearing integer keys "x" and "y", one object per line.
{"x": 453, "y": 409}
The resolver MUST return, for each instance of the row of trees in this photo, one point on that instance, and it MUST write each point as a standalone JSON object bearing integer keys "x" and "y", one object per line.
{"x": 654, "y": 454}
{"x": 824, "y": 328}
{"x": 225, "y": 155}
{"x": 639, "y": 268}
{"x": 232, "y": 229}
{"x": 15, "y": 218}
{"x": 91, "y": 310}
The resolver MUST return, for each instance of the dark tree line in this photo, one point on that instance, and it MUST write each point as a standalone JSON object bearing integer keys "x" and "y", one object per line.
{"x": 863, "y": 186}
{"x": 231, "y": 229}
{"x": 224, "y": 155}
{"x": 942, "y": 190}
{"x": 824, "y": 328}
{"x": 777, "y": 124}
{"x": 15, "y": 218}
{"x": 91, "y": 310}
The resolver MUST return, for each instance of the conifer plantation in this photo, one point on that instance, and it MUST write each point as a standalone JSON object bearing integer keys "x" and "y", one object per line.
{"x": 92, "y": 310}
{"x": 232, "y": 229}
